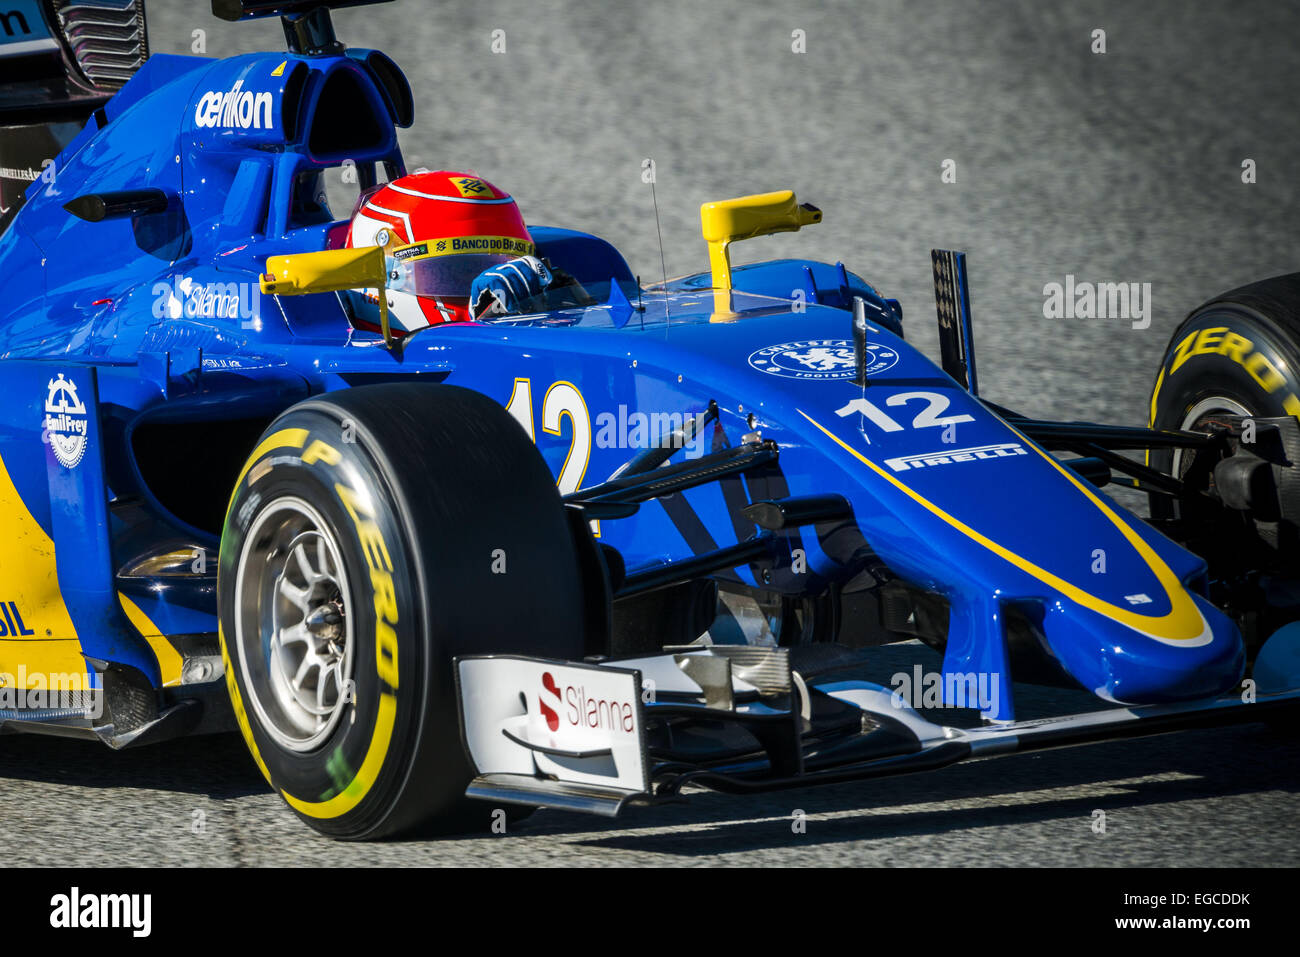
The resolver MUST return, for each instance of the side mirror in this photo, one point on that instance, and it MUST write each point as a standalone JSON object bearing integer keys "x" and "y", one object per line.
{"x": 97, "y": 207}
{"x": 330, "y": 270}
{"x": 731, "y": 220}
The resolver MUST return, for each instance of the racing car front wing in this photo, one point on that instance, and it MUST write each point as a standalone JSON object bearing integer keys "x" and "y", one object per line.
{"x": 596, "y": 736}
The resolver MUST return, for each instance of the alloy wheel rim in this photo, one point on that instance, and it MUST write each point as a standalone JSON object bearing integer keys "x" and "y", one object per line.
{"x": 293, "y": 627}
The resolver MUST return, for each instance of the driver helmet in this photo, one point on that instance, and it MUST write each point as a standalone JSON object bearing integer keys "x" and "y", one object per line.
{"x": 439, "y": 230}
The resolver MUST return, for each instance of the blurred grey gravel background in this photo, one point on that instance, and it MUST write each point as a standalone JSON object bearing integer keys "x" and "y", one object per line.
{"x": 1122, "y": 167}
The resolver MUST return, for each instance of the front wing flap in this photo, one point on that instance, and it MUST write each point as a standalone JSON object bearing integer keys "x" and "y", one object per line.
{"x": 527, "y": 721}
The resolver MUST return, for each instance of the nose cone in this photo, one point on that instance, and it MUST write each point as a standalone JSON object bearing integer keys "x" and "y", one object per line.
{"x": 1130, "y": 665}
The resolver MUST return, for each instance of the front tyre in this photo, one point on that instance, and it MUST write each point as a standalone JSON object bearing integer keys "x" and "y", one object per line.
{"x": 375, "y": 534}
{"x": 1237, "y": 355}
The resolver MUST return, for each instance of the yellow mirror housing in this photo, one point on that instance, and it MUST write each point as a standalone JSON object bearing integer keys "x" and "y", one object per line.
{"x": 330, "y": 270}
{"x": 730, "y": 220}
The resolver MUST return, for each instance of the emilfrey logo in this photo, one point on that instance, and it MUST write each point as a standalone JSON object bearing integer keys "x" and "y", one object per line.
{"x": 66, "y": 423}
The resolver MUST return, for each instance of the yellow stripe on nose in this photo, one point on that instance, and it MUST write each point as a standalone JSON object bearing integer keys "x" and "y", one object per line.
{"x": 1183, "y": 622}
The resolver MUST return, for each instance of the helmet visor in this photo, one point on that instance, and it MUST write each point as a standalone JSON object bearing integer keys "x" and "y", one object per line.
{"x": 448, "y": 267}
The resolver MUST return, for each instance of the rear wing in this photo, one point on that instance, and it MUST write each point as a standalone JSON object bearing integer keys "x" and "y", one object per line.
{"x": 60, "y": 61}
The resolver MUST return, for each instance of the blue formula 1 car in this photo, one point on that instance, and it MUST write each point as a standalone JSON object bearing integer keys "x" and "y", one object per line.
{"x": 613, "y": 542}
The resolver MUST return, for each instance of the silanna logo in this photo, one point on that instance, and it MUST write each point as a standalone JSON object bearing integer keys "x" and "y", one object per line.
{"x": 184, "y": 297}
{"x": 236, "y": 108}
{"x": 574, "y": 707}
{"x": 820, "y": 359}
{"x": 66, "y": 422}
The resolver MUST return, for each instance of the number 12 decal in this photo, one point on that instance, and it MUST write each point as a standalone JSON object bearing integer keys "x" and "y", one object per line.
{"x": 927, "y": 418}
{"x": 562, "y": 400}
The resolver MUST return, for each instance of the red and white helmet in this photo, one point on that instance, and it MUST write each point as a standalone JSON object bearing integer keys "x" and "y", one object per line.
{"x": 439, "y": 231}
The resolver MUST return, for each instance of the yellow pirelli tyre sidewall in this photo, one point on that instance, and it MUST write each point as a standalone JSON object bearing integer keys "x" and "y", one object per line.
{"x": 366, "y": 510}
{"x": 1232, "y": 351}
{"x": 1236, "y": 355}
{"x": 343, "y": 780}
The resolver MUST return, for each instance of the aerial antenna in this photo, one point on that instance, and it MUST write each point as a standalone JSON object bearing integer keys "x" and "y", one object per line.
{"x": 648, "y": 174}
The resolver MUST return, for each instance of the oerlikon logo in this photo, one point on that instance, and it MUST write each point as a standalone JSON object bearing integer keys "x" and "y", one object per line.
{"x": 235, "y": 108}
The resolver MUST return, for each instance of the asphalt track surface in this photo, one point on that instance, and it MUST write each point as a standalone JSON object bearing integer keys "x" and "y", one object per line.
{"x": 1115, "y": 167}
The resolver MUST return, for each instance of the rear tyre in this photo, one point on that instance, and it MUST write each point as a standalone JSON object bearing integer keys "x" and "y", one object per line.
{"x": 375, "y": 534}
